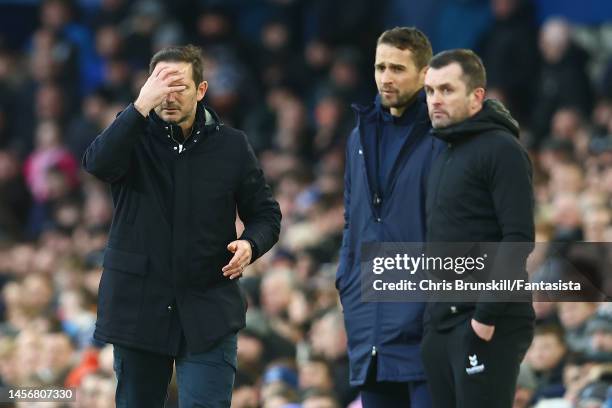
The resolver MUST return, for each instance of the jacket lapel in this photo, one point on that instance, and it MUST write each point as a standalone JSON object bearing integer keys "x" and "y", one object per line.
{"x": 418, "y": 132}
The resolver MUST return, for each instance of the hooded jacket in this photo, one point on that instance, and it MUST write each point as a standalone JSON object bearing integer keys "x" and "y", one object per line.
{"x": 480, "y": 190}
{"x": 174, "y": 214}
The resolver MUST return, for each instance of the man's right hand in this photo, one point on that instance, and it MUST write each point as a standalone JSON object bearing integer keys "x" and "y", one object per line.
{"x": 484, "y": 331}
{"x": 158, "y": 85}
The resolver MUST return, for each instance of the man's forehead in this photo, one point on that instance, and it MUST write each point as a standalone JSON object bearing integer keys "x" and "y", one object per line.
{"x": 179, "y": 65}
{"x": 446, "y": 74}
{"x": 183, "y": 67}
{"x": 388, "y": 54}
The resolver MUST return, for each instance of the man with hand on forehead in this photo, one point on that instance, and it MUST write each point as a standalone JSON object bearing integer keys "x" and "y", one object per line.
{"x": 169, "y": 293}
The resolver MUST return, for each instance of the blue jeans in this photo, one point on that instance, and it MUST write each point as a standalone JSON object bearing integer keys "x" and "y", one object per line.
{"x": 205, "y": 380}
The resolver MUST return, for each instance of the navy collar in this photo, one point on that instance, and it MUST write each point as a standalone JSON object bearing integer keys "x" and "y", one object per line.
{"x": 376, "y": 111}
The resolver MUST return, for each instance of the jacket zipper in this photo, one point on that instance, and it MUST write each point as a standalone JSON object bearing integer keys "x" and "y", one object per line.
{"x": 180, "y": 150}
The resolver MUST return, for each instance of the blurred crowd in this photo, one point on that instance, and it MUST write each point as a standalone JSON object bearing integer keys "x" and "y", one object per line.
{"x": 286, "y": 72}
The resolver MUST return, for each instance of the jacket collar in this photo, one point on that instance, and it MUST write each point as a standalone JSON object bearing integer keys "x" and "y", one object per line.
{"x": 206, "y": 119}
{"x": 492, "y": 117}
{"x": 375, "y": 110}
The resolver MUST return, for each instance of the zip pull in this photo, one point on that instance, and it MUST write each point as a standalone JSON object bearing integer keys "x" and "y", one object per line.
{"x": 373, "y": 350}
{"x": 376, "y": 200}
{"x": 181, "y": 148}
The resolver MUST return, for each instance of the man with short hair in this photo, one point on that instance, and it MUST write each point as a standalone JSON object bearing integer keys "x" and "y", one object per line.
{"x": 388, "y": 156}
{"x": 479, "y": 190}
{"x": 169, "y": 293}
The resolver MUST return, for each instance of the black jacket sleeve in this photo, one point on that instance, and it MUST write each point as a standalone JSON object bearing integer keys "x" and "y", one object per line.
{"x": 509, "y": 176}
{"x": 257, "y": 209}
{"x": 108, "y": 156}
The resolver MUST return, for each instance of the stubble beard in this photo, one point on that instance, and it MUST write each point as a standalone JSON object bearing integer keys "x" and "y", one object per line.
{"x": 400, "y": 100}
{"x": 441, "y": 123}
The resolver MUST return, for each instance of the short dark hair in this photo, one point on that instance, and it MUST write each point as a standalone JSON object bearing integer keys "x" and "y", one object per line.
{"x": 474, "y": 74}
{"x": 186, "y": 53}
{"x": 409, "y": 38}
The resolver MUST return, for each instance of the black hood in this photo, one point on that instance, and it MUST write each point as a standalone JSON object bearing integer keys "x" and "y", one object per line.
{"x": 493, "y": 116}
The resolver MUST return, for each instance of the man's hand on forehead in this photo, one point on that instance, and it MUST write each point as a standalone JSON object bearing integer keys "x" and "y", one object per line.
{"x": 180, "y": 76}
{"x": 163, "y": 80}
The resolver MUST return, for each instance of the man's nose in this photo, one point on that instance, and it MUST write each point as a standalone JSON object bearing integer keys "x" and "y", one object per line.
{"x": 171, "y": 97}
{"x": 434, "y": 98}
{"x": 386, "y": 77}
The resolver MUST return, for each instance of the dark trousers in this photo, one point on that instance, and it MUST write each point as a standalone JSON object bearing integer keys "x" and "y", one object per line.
{"x": 204, "y": 380}
{"x": 464, "y": 371}
{"x": 387, "y": 394}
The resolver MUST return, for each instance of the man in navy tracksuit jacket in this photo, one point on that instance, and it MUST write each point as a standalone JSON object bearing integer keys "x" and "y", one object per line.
{"x": 387, "y": 161}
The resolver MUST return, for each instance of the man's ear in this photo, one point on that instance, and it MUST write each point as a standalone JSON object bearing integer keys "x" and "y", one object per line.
{"x": 201, "y": 91}
{"x": 476, "y": 100}
{"x": 422, "y": 73}
{"x": 479, "y": 94}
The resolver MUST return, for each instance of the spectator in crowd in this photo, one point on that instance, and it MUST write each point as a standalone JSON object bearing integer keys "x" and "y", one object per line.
{"x": 316, "y": 373}
{"x": 545, "y": 357}
{"x": 510, "y": 54}
{"x": 563, "y": 81}
{"x": 56, "y": 359}
{"x": 574, "y": 317}
{"x": 15, "y": 202}
{"x": 82, "y": 130}
{"x": 328, "y": 340}
{"x": 319, "y": 399}
{"x": 600, "y": 330}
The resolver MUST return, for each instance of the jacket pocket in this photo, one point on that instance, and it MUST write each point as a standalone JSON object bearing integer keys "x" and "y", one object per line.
{"x": 121, "y": 291}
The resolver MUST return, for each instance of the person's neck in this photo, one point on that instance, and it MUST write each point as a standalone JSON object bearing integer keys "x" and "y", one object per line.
{"x": 187, "y": 128}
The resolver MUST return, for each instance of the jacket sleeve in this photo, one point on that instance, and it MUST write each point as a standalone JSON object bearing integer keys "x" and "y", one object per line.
{"x": 510, "y": 184}
{"x": 108, "y": 156}
{"x": 343, "y": 261}
{"x": 257, "y": 208}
